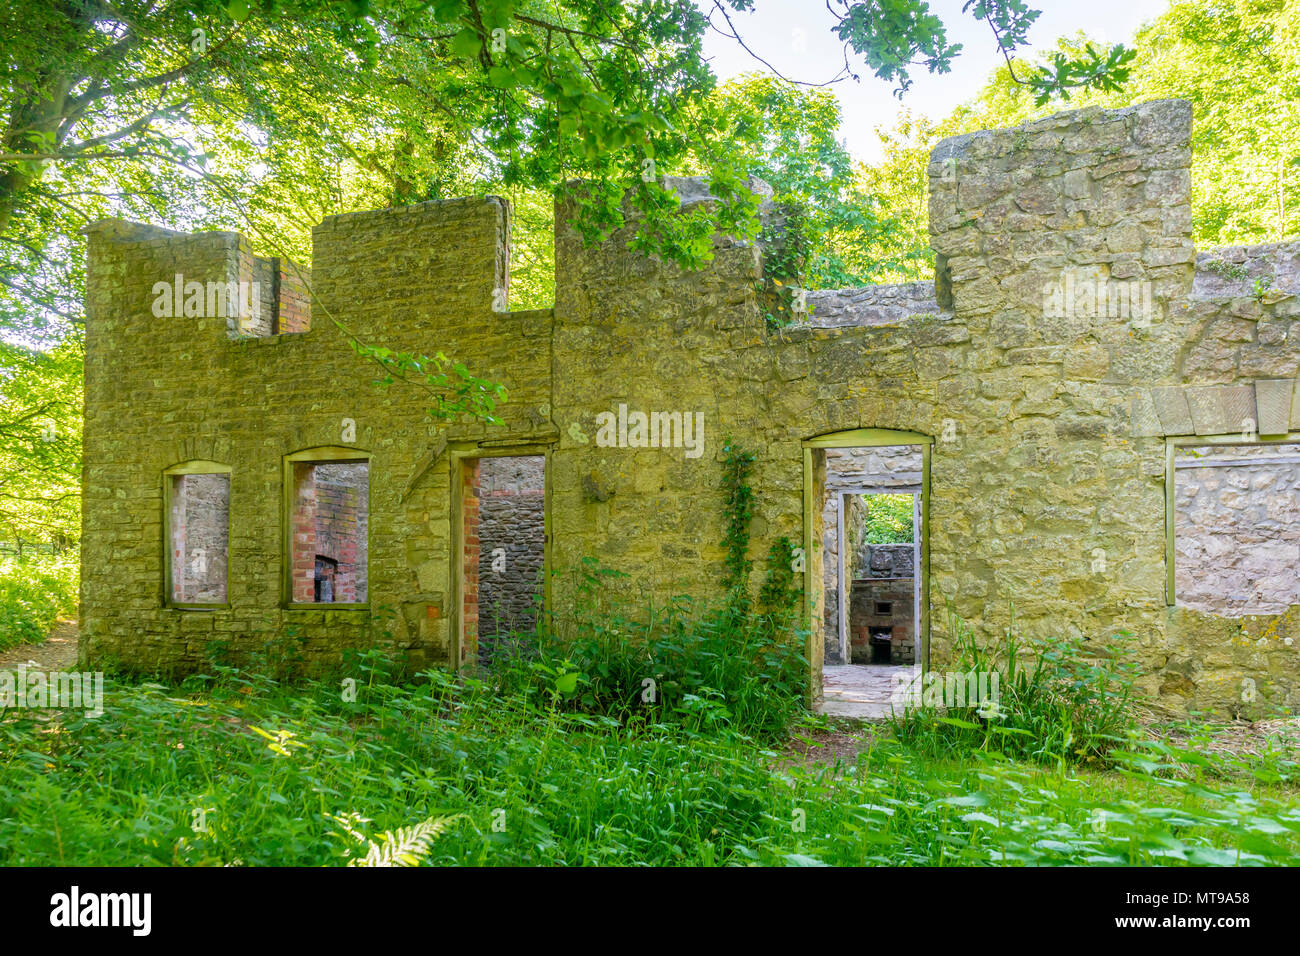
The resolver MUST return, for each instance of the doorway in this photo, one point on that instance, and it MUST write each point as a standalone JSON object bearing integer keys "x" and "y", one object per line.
{"x": 503, "y": 548}
{"x": 866, "y": 538}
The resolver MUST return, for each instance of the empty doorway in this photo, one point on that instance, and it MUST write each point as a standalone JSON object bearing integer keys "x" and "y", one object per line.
{"x": 865, "y": 536}
{"x": 877, "y": 589}
{"x": 502, "y": 554}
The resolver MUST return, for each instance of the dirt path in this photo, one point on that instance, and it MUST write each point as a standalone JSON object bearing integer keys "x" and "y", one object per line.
{"x": 57, "y": 653}
{"x": 842, "y": 742}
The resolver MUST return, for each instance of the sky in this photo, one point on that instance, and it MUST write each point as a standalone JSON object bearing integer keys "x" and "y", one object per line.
{"x": 795, "y": 37}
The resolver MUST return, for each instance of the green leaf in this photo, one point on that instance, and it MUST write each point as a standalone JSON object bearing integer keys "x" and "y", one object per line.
{"x": 467, "y": 43}
{"x": 567, "y": 683}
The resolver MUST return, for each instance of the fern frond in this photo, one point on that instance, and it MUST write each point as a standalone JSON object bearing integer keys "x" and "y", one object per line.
{"x": 406, "y": 846}
{"x": 351, "y": 824}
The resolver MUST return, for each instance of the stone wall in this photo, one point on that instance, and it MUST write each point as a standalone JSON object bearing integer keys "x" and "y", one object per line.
{"x": 162, "y": 392}
{"x": 330, "y": 533}
{"x": 1071, "y": 341}
{"x": 200, "y": 533}
{"x": 887, "y": 561}
{"x": 872, "y": 305}
{"x": 511, "y": 534}
{"x": 1238, "y": 529}
{"x": 282, "y": 294}
{"x": 341, "y": 526}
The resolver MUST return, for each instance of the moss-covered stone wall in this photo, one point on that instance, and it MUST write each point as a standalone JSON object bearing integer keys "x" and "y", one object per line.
{"x": 1067, "y": 343}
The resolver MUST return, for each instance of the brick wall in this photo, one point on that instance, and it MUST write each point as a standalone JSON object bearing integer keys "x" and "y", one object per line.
{"x": 863, "y": 617}
{"x": 293, "y": 298}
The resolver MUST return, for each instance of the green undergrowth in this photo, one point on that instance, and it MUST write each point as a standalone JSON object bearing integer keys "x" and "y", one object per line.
{"x": 1051, "y": 701}
{"x": 35, "y": 591}
{"x": 237, "y": 768}
{"x": 717, "y": 669}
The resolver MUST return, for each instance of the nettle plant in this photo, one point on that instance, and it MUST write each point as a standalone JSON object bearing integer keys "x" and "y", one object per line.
{"x": 738, "y": 511}
{"x": 685, "y": 661}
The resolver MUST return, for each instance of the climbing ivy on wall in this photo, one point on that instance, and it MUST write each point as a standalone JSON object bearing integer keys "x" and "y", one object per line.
{"x": 788, "y": 245}
{"x": 739, "y": 512}
{"x": 779, "y": 593}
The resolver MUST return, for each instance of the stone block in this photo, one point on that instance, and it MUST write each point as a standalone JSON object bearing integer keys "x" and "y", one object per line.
{"x": 1273, "y": 402}
{"x": 1172, "y": 409}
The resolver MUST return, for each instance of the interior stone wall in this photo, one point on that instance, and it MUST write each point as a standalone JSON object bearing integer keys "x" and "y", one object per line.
{"x": 1237, "y": 547}
{"x": 200, "y": 530}
{"x": 511, "y": 535}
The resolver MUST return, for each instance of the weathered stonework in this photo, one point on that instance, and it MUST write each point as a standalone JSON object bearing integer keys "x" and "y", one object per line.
{"x": 511, "y": 541}
{"x": 1237, "y": 513}
{"x": 1050, "y": 415}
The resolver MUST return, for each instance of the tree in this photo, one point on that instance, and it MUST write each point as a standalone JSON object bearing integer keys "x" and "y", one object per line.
{"x": 266, "y": 115}
{"x": 1238, "y": 64}
{"x": 787, "y": 136}
{"x": 40, "y": 443}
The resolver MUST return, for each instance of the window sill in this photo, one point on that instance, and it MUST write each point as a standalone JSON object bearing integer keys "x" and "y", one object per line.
{"x": 326, "y": 606}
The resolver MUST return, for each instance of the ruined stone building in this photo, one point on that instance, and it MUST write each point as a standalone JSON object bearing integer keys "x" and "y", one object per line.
{"x": 1098, "y": 423}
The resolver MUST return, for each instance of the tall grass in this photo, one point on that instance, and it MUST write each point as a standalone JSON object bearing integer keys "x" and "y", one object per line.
{"x": 557, "y": 757}
{"x": 721, "y": 664}
{"x": 710, "y": 665}
{"x": 238, "y": 768}
{"x": 1058, "y": 701}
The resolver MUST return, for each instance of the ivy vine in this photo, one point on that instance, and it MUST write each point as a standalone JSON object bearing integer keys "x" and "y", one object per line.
{"x": 780, "y": 593}
{"x": 738, "y": 510}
